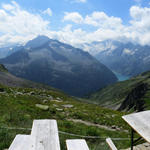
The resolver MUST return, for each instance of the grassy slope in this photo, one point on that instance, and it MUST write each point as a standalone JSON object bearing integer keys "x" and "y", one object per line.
{"x": 113, "y": 95}
{"x": 17, "y": 109}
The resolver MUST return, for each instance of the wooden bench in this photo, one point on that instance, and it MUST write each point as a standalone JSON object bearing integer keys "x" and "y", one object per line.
{"x": 77, "y": 144}
{"x": 140, "y": 123}
{"x": 45, "y": 135}
{"x": 111, "y": 144}
{"x": 22, "y": 142}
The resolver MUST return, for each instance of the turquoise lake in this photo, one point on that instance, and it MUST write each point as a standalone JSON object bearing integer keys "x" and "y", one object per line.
{"x": 121, "y": 77}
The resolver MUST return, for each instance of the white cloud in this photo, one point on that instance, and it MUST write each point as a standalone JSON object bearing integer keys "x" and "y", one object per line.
{"x": 110, "y": 27}
{"x": 73, "y": 37}
{"x": 100, "y": 19}
{"x": 73, "y": 16}
{"x": 81, "y": 1}
{"x": 48, "y": 11}
{"x": 8, "y": 7}
{"x": 17, "y": 25}
{"x": 77, "y": 1}
{"x": 97, "y": 19}
{"x": 138, "y": 1}
{"x": 107, "y": 27}
{"x": 140, "y": 24}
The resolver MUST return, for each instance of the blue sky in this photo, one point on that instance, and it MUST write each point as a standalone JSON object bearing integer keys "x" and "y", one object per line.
{"x": 75, "y": 21}
{"x": 118, "y": 8}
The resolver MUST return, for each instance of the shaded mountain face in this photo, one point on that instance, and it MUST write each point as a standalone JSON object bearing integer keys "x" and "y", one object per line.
{"x": 9, "y": 80}
{"x": 127, "y": 59}
{"x": 60, "y": 65}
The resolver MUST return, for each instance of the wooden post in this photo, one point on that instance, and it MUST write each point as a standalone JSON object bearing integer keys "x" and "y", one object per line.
{"x": 77, "y": 144}
{"x": 111, "y": 144}
{"x": 132, "y": 139}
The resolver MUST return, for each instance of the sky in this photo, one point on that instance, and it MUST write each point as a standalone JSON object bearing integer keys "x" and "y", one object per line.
{"x": 75, "y": 21}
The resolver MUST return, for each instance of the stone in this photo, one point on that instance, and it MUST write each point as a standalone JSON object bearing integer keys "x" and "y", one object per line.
{"x": 59, "y": 109}
{"x": 50, "y": 97}
{"x": 19, "y": 93}
{"x": 45, "y": 101}
{"x": 54, "y": 105}
{"x": 42, "y": 107}
{"x": 58, "y": 98}
{"x": 56, "y": 101}
{"x": 32, "y": 93}
{"x": 67, "y": 106}
{"x": 113, "y": 127}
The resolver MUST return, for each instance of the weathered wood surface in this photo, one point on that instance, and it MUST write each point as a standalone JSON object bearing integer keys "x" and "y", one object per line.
{"x": 22, "y": 142}
{"x": 140, "y": 122}
{"x": 111, "y": 144}
{"x": 45, "y": 135}
{"x": 77, "y": 144}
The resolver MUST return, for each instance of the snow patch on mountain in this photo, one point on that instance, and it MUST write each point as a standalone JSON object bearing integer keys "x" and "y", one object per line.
{"x": 128, "y": 51}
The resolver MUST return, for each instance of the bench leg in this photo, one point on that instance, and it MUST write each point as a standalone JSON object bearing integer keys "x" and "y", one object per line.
{"x": 132, "y": 139}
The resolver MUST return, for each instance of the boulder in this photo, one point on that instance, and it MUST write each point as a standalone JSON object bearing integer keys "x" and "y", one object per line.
{"x": 67, "y": 106}
{"x": 42, "y": 107}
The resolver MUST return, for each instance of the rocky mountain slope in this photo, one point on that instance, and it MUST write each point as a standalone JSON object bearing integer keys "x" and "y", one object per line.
{"x": 60, "y": 65}
{"x": 7, "y": 79}
{"x": 124, "y": 58}
{"x": 129, "y": 95}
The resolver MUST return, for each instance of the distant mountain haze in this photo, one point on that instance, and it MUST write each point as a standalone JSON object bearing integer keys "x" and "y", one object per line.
{"x": 124, "y": 58}
{"x": 60, "y": 65}
{"x": 8, "y": 50}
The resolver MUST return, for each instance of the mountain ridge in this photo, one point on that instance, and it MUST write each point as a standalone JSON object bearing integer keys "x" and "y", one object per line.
{"x": 125, "y": 58}
{"x": 59, "y": 65}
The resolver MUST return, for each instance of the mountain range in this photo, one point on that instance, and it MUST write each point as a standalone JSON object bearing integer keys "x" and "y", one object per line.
{"x": 9, "y": 49}
{"x": 60, "y": 65}
{"x": 124, "y": 58}
{"x": 55, "y": 63}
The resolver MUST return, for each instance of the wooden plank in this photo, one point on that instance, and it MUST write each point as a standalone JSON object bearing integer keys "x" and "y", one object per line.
{"x": 140, "y": 122}
{"x": 77, "y": 144}
{"x": 111, "y": 144}
{"x": 45, "y": 135}
{"x": 22, "y": 142}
